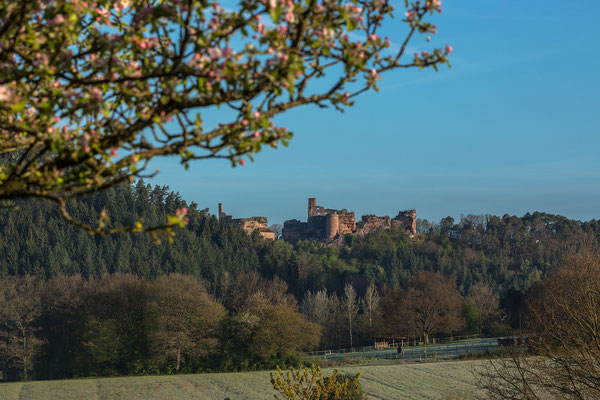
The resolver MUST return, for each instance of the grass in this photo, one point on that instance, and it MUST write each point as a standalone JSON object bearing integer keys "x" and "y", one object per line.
{"x": 443, "y": 380}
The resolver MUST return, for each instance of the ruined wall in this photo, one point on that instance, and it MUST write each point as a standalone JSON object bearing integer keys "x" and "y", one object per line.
{"x": 313, "y": 208}
{"x": 372, "y": 223}
{"x": 293, "y": 230}
{"x": 323, "y": 224}
{"x": 407, "y": 220}
{"x": 328, "y": 224}
{"x": 223, "y": 216}
{"x": 267, "y": 233}
{"x": 347, "y": 222}
{"x": 249, "y": 224}
{"x": 314, "y": 229}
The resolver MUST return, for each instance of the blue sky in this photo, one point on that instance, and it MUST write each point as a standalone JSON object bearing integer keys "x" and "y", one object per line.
{"x": 512, "y": 127}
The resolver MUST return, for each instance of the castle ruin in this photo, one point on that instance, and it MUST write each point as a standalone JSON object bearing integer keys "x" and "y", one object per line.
{"x": 249, "y": 224}
{"x": 326, "y": 224}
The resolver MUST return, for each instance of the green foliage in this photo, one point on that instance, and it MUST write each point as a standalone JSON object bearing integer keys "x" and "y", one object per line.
{"x": 506, "y": 254}
{"x": 469, "y": 313}
{"x": 82, "y": 81}
{"x": 309, "y": 384}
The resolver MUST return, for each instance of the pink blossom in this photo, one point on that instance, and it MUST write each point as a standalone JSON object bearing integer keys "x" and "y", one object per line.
{"x": 181, "y": 211}
{"x": 289, "y": 16}
{"x": 96, "y": 94}
{"x": 256, "y": 134}
{"x": 122, "y": 4}
{"x": 244, "y": 122}
{"x": 242, "y": 162}
{"x": 257, "y": 115}
{"x": 135, "y": 65}
{"x": 213, "y": 23}
{"x": 103, "y": 13}
{"x": 5, "y": 93}
{"x": 448, "y": 49}
{"x": 57, "y": 20}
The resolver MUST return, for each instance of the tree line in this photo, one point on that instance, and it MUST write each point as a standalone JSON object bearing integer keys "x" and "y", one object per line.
{"x": 507, "y": 253}
{"x": 122, "y": 325}
{"x": 465, "y": 276}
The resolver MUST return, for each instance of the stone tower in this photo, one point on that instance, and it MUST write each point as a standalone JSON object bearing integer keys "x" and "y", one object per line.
{"x": 312, "y": 206}
{"x": 332, "y": 226}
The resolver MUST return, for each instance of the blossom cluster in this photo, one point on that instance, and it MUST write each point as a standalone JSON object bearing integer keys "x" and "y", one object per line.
{"x": 91, "y": 90}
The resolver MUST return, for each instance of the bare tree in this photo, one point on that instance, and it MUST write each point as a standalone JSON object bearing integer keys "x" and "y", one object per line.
{"x": 350, "y": 308}
{"x": 246, "y": 284}
{"x": 562, "y": 360}
{"x": 277, "y": 229}
{"x": 370, "y": 308}
{"x": 432, "y": 305}
{"x": 487, "y": 303}
{"x": 329, "y": 312}
{"x": 20, "y": 309}
{"x": 316, "y": 307}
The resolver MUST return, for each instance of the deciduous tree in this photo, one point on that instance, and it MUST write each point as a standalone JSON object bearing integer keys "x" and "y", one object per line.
{"x": 487, "y": 304}
{"x": 350, "y": 309}
{"x": 184, "y": 319}
{"x": 90, "y": 92}
{"x": 432, "y": 305}
{"x": 19, "y": 313}
{"x": 562, "y": 360}
{"x": 370, "y": 309}
{"x": 115, "y": 327}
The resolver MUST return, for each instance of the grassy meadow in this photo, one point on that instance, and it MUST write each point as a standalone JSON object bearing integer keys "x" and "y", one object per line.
{"x": 442, "y": 380}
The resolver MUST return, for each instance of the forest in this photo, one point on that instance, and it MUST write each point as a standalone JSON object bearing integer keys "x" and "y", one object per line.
{"x": 216, "y": 299}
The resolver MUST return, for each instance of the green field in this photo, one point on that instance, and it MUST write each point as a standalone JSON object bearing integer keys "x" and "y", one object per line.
{"x": 444, "y": 380}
